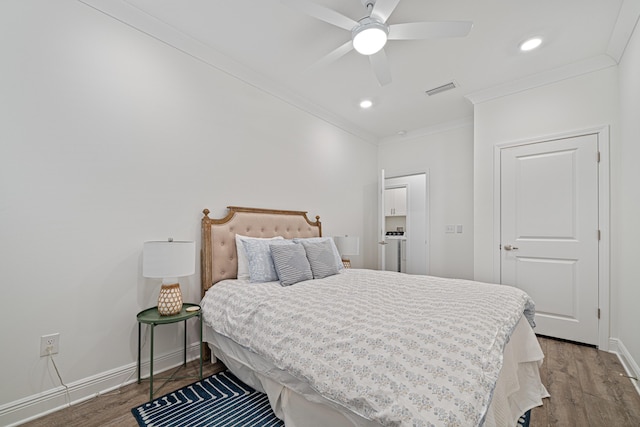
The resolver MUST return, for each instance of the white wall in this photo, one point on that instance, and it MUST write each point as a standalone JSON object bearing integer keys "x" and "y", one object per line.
{"x": 448, "y": 157}
{"x": 110, "y": 138}
{"x": 625, "y": 272}
{"x": 585, "y": 102}
{"x": 579, "y": 103}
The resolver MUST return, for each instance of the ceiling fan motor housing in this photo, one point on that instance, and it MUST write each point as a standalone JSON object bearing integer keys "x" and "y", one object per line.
{"x": 368, "y": 4}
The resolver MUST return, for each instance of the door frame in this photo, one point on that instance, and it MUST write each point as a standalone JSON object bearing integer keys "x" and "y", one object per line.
{"x": 604, "y": 202}
{"x": 427, "y": 230}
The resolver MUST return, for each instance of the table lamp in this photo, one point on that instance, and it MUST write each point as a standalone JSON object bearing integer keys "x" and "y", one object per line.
{"x": 168, "y": 260}
{"x": 347, "y": 246}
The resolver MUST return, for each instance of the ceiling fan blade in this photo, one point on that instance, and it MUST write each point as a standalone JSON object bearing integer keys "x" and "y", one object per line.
{"x": 383, "y": 9}
{"x": 380, "y": 67}
{"x": 429, "y": 30}
{"x": 334, "y": 55}
{"x": 322, "y": 13}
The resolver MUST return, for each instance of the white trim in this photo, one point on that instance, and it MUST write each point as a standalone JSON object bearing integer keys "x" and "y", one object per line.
{"x": 604, "y": 249}
{"x": 628, "y": 17}
{"x": 628, "y": 363}
{"x": 625, "y": 25}
{"x": 141, "y": 21}
{"x": 132, "y": 16}
{"x": 428, "y": 130}
{"x": 496, "y": 271}
{"x": 544, "y": 78}
{"x": 38, "y": 405}
{"x": 400, "y": 182}
{"x": 604, "y": 201}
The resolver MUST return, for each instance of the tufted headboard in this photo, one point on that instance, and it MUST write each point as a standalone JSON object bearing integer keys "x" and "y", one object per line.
{"x": 218, "y": 254}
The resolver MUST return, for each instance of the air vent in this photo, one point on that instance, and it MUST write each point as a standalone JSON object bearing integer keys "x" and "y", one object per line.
{"x": 439, "y": 89}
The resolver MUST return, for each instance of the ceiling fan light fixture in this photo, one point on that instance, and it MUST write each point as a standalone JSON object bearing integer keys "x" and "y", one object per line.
{"x": 369, "y": 36}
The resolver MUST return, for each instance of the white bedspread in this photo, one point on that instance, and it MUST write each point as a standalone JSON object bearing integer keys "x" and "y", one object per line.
{"x": 394, "y": 348}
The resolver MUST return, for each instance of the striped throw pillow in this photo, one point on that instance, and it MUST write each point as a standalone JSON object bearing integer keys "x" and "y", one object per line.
{"x": 291, "y": 263}
{"x": 321, "y": 258}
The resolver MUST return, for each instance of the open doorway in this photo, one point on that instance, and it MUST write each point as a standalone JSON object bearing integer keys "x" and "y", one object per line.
{"x": 404, "y": 210}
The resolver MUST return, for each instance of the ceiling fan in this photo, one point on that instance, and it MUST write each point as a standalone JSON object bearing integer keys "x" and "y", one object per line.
{"x": 370, "y": 34}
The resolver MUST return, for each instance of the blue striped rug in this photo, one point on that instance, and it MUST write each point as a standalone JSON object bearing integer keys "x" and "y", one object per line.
{"x": 525, "y": 419}
{"x": 220, "y": 400}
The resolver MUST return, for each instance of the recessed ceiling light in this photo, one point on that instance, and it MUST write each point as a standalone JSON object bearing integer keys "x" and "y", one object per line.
{"x": 530, "y": 44}
{"x": 366, "y": 103}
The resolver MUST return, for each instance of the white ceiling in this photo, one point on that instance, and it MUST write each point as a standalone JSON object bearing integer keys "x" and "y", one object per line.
{"x": 272, "y": 46}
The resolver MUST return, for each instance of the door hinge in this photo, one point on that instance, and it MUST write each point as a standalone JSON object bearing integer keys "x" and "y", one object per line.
{"x": 598, "y": 313}
{"x": 599, "y": 234}
{"x": 598, "y": 157}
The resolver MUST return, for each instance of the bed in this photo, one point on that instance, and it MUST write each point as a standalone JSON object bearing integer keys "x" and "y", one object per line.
{"x": 354, "y": 347}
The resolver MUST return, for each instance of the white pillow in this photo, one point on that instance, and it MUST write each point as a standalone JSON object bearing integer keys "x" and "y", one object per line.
{"x": 243, "y": 263}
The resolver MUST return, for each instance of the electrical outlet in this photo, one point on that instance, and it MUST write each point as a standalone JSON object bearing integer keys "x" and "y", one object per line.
{"x": 450, "y": 228}
{"x": 49, "y": 344}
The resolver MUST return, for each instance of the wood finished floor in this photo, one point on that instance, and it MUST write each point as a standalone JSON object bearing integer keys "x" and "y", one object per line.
{"x": 114, "y": 408}
{"x": 585, "y": 386}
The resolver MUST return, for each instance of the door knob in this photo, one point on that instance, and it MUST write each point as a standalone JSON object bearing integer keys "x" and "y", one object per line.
{"x": 382, "y": 243}
{"x": 510, "y": 248}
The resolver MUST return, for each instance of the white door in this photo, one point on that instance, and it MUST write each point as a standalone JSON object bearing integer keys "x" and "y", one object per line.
{"x": 381, "y": 222}
{"x": 549, "y": 232}
{"x": 415, "y": 224}
{"x": 395, "y": 200}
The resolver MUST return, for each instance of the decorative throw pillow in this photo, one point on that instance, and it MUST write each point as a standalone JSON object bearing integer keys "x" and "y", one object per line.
{"x": 292, "y": 265}
{"x": 321, "y": 258}
{"x": 336, "y": 255}
{"x": 243, "y": 263}
{"x": 261, "y": 267}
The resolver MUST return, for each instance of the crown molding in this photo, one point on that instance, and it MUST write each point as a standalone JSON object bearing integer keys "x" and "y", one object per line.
{"x": 625, "y": 25}
{"x": 139, "y": 20}
{"x": 542, "y": 79}
{"x": 429, "y": 130}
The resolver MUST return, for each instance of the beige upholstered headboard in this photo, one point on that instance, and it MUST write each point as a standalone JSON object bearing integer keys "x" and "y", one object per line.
{"x": 218, "y": 254}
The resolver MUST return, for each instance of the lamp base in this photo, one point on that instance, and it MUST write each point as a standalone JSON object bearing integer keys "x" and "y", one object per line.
{"x": 170, "y": 300}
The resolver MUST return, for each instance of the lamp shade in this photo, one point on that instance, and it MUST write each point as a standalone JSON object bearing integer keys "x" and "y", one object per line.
{"x": 165, "y": 259}
{"x": 347, "y": 245}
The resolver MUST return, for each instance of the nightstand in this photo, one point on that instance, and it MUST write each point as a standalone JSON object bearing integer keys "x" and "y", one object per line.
{"x": 151, "y": 317}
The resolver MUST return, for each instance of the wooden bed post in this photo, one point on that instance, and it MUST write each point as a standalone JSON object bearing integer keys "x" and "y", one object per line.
{"x": 206, "y": 269}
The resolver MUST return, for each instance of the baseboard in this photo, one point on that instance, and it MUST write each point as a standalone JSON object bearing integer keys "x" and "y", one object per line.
{"x": 630, "y": 366}
{"x": 38, "y": 405}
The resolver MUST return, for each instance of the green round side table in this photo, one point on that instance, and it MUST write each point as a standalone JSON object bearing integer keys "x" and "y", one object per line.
{"x": 151, "y": 317}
